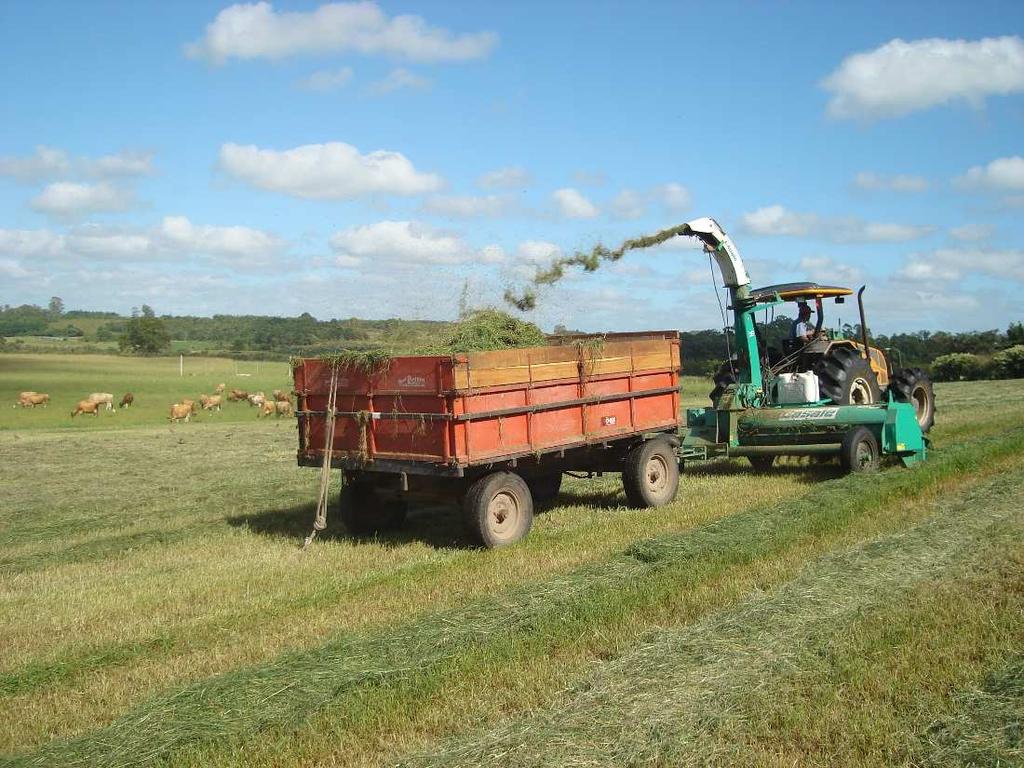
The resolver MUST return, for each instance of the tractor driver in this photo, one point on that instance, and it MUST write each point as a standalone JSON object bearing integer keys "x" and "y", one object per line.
{"x": 801, "y": 330}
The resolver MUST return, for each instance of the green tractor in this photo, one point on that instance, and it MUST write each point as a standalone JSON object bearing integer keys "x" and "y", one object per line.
{"x": 848, "y": 371}
{"x": 820, "y": 395}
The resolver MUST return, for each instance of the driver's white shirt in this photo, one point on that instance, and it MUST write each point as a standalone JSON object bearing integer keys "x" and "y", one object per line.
{"x": 801, "y": 330}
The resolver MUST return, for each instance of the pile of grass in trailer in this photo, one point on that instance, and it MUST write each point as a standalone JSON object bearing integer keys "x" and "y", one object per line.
{"x": 526, "y": 299}
{"x": 408, "y": 661}
{"x": 684, "y": 698}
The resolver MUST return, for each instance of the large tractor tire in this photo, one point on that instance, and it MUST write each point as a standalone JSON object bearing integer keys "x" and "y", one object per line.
{"x": 498, "y": 509}
{"x": 651, "y": 475}
{"x": 724, "y": 378}
{"x": 912, "y": 385}
{"x": 365, "y": 512}
{"x": 846, "y": 378}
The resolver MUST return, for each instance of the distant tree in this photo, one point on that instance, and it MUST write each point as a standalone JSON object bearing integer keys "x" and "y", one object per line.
{"x": 72, "y": 331}
{"x": 957, "y": 366}
{"x": 1015, "y": 334}
{"x": 144, "y": 333}
{"x": 56, "y": 307}
{"x": 1009, "y": 364}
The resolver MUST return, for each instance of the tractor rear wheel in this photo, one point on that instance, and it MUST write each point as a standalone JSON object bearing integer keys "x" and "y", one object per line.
{"x": 846, "y": 378}
{"x": 365, "y": 512}
{"x": 651, "y": 475}
{"x": 724, "y": 378}
{"x": 912, "y": 385}
{"x": 859, "y": 451}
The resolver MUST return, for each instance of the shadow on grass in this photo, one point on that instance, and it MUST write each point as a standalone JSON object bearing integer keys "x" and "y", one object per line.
{"x": 435, "y": 524}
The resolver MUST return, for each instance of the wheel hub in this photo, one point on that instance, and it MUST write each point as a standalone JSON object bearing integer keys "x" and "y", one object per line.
{"x": 503, "y": 512}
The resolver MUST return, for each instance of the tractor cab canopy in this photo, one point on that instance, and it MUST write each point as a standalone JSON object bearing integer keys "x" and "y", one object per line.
{"x": 798, "y": 292}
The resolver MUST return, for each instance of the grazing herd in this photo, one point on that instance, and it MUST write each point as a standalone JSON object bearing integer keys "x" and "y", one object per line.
{"x": 279, "y": 403}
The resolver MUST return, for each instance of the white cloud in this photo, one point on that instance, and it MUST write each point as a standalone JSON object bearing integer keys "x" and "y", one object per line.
{"x": 776, "y": 220}
{"x": 674, "y": 197}
{"x": 468, "y": 206}
{"x": 628, "y": 204}
{"x": 1004, "y": 173}
{"x": 327, "y": 79}
{"x": 126, "y": 163}
{"x": 44, "y": 162}
{"x": 11, "y": 268}
{"x": 537, "y": 252}
{"x": 326, "y": 171}
{"x": 400, "y": 79}
{"x": 573, "y": 205}
{"x": 896, "y": 183}
{"x": 69, "y": 199}
{"x": 511, "y": 177}
{"x": 949, "y": 264}
{"x": 256, "y": 30}
{"x": 972, "y": 232}
{"x": 901, "y": 77}
{"x": 243, "y": 243}
{"x": 407, "y": 242}
{"x": 825, "y": 270}
{"x": 172, "y": 240}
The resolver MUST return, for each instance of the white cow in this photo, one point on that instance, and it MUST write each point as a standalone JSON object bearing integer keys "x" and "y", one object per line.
{"x": 105, "y": 398}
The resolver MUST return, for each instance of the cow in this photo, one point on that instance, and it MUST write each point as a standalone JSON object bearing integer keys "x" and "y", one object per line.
{"x": 127, "y": 400}
{"x": 32, "y": 399}
{"x": 257, "y": 399}
{"x": 238, "y": 395}
{"x": 181, "y": 411}
{"x": 219, "y": 389}
{"x": 210, "y": 402}
{"x": 190, "y": 403}
{"x": 105, "y": 398}
{"x": 87, "y": 406}
{"x": 266, "y": 409}
{"x": 283, "y": 408}
{"x": 281, "y": 397}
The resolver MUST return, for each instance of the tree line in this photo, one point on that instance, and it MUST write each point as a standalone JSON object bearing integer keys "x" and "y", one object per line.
{"x": 962, "y": 355}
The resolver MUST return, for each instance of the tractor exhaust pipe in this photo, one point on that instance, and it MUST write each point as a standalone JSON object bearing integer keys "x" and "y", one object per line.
{"x": 863, "y": 324}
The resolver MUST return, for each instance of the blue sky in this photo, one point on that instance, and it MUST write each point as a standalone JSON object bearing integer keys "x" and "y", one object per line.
{"x": 369, "y": 159}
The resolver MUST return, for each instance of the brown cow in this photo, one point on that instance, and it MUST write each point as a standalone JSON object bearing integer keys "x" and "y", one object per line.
{"x": 238, "y": 395}
{"x": 257, "y": 399}
{"x": 87, "y": 406}
{"x": 283, "y": 408}
{"x": 210, "y": 402}
{"x": 32, "y": 399}
{"x": 180, "y": 411}
{"x": 127, "y": 400}
{"x": 219, "y": 389}
{"x": 190, "y": 403}
{"x": 105, "y": 398}
{"x": 281, "y": 397}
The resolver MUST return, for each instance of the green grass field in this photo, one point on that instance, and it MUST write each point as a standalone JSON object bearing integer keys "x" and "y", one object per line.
{"x": 155, "y": 608}
{"x": 155, "y": 382}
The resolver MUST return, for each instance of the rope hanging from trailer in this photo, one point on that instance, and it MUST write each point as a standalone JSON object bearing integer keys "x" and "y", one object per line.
{"x": 320, "y": 520}
{"x": 721, "y": 309}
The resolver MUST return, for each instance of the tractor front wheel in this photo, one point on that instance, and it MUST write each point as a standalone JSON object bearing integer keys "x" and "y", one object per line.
{"x": 846, "y": 378}
{"x": 859, "y": 451}
{"x": 912, "y": 385}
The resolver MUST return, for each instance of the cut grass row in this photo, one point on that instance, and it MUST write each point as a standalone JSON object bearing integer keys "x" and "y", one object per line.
{"x": 364, "y": 678}
{"x": 847, "y": 664}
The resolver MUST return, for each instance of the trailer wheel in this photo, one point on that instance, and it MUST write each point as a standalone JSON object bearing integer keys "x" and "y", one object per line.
{"x": 365, "y": 512}
{"x": 651, "y": 475}
{"x": 498, "y": 509}
{"x": 544, "y": 488}
{"x": 761, "y": 463}
{"x": 859, "y": 451}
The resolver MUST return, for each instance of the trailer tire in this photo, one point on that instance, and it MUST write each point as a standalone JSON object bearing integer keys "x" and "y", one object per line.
{"x": 846, "y": 378}
{"x": 545, "y": 487}
{"x": 498, "y": 509}
{"x": 761, "y": 463}
{"x": 651, "y": 475}
{"x": 365, "y": 512}
{"x": 859, "y": 451}
{"x": 912, "y": 385}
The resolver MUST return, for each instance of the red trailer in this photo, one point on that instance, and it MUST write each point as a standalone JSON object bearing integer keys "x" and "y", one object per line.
{"x": 495, "y": 430}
